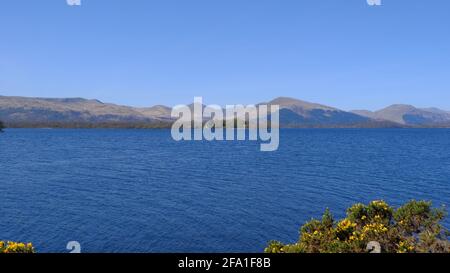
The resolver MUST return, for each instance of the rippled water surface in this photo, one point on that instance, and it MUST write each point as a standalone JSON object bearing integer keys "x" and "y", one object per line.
{"x": 139, "y": 191}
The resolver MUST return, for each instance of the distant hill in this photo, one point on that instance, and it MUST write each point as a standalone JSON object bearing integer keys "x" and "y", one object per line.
{"x": 298, "y": 113}
{"x": 156, "y": 112}
{"x": 79, "y": 112}
{"x": 408, "y": 115}
{"x": 299, "y": 106}
{"x": 37, "y": 112}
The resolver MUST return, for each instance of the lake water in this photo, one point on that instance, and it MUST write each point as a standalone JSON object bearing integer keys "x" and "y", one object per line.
{"x": 139, "y": 191}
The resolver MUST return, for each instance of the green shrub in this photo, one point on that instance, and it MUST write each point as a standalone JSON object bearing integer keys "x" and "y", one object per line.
{"x": 413, "y": 228}
{"x": 13, "y": 247}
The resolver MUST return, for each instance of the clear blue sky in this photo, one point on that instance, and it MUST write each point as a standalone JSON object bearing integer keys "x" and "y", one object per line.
{"x": 343, "y": 53}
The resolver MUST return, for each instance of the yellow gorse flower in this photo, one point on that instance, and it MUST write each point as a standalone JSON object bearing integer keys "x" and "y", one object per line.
{"x": 381, "y": 204}
{"x": 346, "y": 224}
{"x": 375, "y": 227}
{"x": 13, "y": 247}
{"x": 404, "y": 247}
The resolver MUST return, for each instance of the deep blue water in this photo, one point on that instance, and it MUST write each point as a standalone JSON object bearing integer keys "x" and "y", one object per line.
{"x": 139, "y": 191}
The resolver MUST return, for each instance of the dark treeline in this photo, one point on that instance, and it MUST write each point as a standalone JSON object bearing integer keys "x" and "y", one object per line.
{"x": 90, "y": 125}
{"x": 106, "y": 125}
{"x": 168, "y": 124}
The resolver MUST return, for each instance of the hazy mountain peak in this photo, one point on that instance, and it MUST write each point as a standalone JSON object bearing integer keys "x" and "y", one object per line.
{"x": 292, "y": 103}
{"x": 435, "y": 110}
{"x": 157, "y": 111}
{"x": 408, "y": 114}
{"x": 399, "y": 107}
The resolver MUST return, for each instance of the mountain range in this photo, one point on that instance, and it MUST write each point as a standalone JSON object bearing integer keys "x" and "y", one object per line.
{"x": 79, "y": 112}
{"x": 408, "y": 115}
